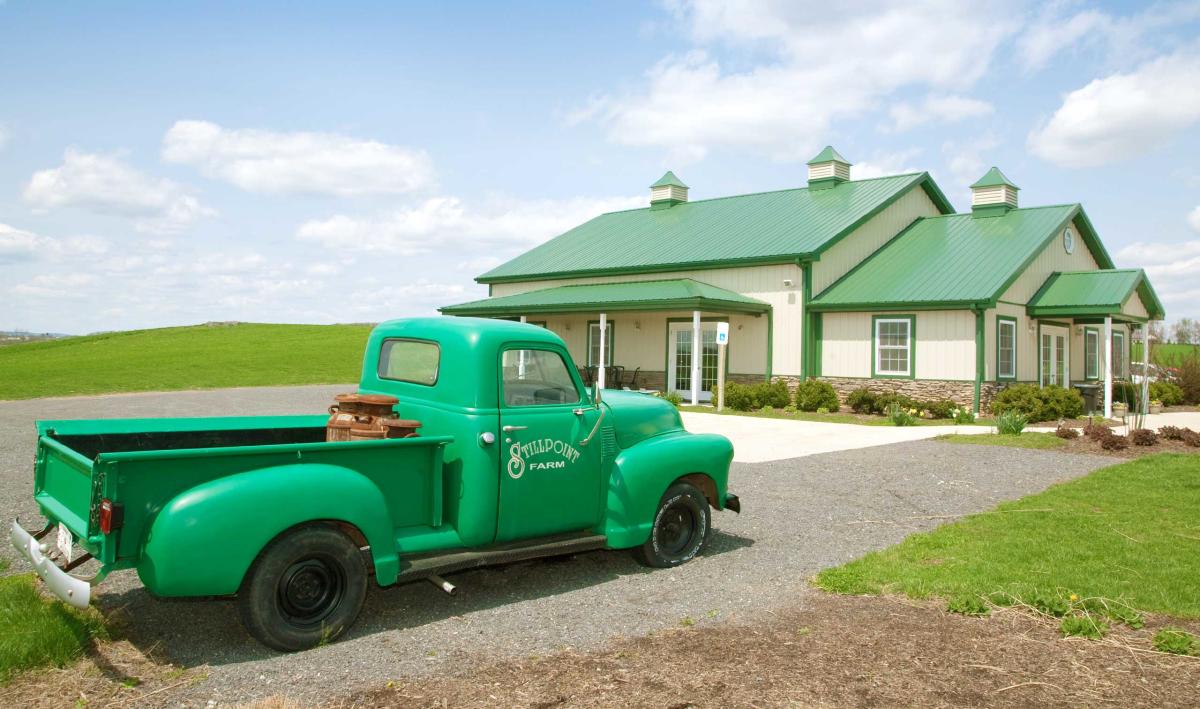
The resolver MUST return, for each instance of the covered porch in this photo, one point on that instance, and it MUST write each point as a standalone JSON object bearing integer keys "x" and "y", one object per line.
{"x": 646, "y": 335}
{"x": 1086, "y": 322}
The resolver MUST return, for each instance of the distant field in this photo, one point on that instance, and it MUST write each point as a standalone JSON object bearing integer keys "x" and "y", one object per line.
{"x": 1167, "y": 354}
{"x": 196, "y": 357}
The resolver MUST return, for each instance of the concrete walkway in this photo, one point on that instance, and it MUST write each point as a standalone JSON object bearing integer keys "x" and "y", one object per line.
{"x": 757, "y": 440}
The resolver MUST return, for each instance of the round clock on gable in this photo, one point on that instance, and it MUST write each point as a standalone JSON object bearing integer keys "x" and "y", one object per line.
{"x": 1069, "y": 241}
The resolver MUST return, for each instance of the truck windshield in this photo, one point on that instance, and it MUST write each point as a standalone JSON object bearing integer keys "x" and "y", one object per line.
{"x": 409, "y": 361}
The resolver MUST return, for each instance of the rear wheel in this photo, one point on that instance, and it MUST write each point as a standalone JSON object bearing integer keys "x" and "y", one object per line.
{"x": 305, "y": 589}
{"x": 682, "y": 524}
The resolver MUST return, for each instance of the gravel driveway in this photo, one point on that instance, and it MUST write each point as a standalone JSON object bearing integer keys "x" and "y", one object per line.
{"x": 799, "y": 516}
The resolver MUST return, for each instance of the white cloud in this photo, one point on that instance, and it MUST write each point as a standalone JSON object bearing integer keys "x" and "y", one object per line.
{"x": 439, "y": 223}
{"x": 1123, "y": 115}
{"x": 887, "y": 164}
{"x": 297, "y": 162}
{"x": 1193, "y": 219}
{"x": 105, "y": 184}
{"x": 966, "y": 161}
{"x": 937, "y": 109}
{"x": 1173, "y": 268}
{"x": 825, "y": 61}
{"x": 1062, "y": 26}
{"x": 5, "y": 136}
{"x": 19, "y": 245}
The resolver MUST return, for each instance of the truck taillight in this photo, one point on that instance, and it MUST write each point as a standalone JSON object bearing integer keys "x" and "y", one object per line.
{"x": 111, "y": 516}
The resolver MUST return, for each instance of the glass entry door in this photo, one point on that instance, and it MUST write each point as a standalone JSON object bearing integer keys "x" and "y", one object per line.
{"x": 1055, "y": 356}
{"x": 679, "y": 359}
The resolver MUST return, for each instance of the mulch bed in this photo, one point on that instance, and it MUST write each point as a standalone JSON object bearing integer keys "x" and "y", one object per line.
{"x": 835, "y": 651}
{"x": 1083, "y": 444}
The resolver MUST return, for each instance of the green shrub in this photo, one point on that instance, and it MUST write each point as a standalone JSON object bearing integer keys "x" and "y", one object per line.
{"x": 1084, "y": 626}
{"x": 1011, "y": 422}
{"x": 1169, "y": 393}
{"x": 862, "y": 401}
{"x": 822, "y": 410}
{"x": 940, "y": 409}
{"x": 900, "y": 416}
{"x": 675, "y": 398}
{"x": 738, "y": 397}
{"x": 766, "y": 410}
{"x": 812, "y": 395}
{"x": 1188, "y": 378}
{"x": 963, "y": 416}
{"x": 755, "y": 397}
{"x": 1127, "y": 392}
{"x": 1039, "y": 403}
{"x": 1176, "y": 642}
{"x": 883, "y": 402}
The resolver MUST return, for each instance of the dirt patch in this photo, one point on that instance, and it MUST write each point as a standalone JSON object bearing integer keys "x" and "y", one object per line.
{"x": 110, "y": 674}
{"x": 837, "y": 651}
{"x": 1086, "y": 446}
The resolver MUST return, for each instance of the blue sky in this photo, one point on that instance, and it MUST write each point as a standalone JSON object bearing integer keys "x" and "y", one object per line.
{"x": 172, "y": 163}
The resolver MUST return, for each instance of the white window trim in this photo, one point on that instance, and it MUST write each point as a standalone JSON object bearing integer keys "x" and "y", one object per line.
{"x": 907, "y": 347}
{"x": 608, "y": 342}
{"x": 1011, "y": 374}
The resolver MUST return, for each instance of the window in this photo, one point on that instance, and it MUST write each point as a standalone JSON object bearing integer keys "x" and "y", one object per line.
{"x": 536, "y": 378}
{"x": 413, "y": 361}
{"x": 594, "y": 344}
{"x": 894, "y": 346}
{"x": 1091, "y": 353}
{"x": 1118, "y": 354}
{"x": 1006, "y": 348}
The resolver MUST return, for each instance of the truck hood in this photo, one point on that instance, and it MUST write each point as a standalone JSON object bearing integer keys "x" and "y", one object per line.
{"x": 636, "y": 417}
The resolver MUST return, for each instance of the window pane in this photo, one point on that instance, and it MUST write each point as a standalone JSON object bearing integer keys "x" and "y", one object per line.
{"x": 536, "y": 377}
{"x": 594, "y": 344}
{"x": 1007, "y": 351}
{"x": 892, "y": 346}
{"x": 409, "y": 361}
{"x": 683, "y": 360}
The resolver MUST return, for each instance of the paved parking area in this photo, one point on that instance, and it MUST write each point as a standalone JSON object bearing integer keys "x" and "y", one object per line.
{"x": 800, "y": 515}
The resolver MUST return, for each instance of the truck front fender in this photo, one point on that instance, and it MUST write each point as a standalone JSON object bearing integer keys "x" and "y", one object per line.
{"x": 643, "y": 472}
{"x": 204, "y": 540}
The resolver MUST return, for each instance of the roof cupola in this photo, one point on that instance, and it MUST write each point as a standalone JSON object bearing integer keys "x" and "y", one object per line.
{"x": 827, "y": 169}
{"x": 993, "y": 194}
{"x": 668, "y": 192}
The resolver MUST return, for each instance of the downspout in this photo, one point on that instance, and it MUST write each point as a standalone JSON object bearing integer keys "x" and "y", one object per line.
{"x": 770, "y": 341}
{"x": 805, "y": 320}
{"x": 980, "y": 361}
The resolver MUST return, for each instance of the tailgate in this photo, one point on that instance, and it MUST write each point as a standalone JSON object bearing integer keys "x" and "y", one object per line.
{"x": 63, "y": 488}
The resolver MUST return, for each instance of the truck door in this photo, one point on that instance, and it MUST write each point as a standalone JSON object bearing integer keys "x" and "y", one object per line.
{"x": 549, "y": 481}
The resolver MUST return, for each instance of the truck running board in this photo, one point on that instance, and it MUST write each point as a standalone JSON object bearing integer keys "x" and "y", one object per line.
{"x": 423, "y": 566}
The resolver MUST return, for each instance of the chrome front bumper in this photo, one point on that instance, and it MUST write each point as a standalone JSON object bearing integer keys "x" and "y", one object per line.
{"x": 72, "y": 590}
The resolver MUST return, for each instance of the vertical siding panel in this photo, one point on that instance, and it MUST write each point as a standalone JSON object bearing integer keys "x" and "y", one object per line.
{"x": 1052, "y": 258}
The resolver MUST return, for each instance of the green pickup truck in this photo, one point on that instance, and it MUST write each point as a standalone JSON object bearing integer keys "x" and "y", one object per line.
{"x": 515, "y": 459}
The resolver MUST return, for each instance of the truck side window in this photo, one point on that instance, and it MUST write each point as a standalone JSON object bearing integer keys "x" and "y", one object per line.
{"x": 409, "y": 361}
{"x": 536, "y": 377}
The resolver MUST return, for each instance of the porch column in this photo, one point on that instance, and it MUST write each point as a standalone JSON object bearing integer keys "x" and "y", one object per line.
{"x": 695, "y": 357}
{"x": 1108, "y": 372}
{"x": 1146, "y": 368}
{"x": 602, "y": 363}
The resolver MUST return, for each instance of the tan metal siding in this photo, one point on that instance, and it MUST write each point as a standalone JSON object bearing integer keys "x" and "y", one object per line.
{"x": 846, "y": 345}
{"x": 747, "y": 349}
{"x": 1135, "y": 307}
{"x": 1052, "y": 258}
{"x": 1026, "y": 343}
{"x": 869, "y": 237}
{"x": 945, "y": 344}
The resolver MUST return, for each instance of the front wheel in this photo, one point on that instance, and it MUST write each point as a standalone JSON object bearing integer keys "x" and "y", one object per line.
{"x": 682, "y": 524}
{"x": 305, "y": 589}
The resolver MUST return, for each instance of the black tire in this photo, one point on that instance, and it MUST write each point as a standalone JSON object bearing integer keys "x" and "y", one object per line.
{"x": 682, "y": 524}
{"x": 305, "y": 589}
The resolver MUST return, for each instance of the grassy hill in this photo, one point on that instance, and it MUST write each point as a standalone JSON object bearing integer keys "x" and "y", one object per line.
{"x": 196, "y": 357}
{"x": 1167, "y": 354}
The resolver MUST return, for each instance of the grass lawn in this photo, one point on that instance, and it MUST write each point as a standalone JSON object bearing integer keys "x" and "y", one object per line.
{"x": 1029, "y": 439}
{"x": 196, "y": 357}
{"x": 838, "y": 417}
{"x": 37, "y": 631}
{"x": 1129, "y": 533}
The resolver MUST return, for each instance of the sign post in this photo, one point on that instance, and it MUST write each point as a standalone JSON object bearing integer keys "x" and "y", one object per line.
{"x": 722, "y": 341}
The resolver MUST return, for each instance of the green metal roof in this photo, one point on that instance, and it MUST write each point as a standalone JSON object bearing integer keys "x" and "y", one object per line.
{"x": 681, "y": 293}
{"x": 1074, "y": 293}
{"x": 827, "y": 155}
{"x": 768, "y": 227}
{"x": 669, "y": 180}
{"x": 994, "y": 178}
{"x": 956, "y": 260}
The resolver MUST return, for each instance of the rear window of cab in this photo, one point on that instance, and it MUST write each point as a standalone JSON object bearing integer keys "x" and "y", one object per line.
{"x": 415, "y": 361}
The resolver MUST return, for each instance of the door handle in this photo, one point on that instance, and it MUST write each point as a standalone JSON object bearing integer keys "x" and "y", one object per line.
{"x": 510, "y": 429}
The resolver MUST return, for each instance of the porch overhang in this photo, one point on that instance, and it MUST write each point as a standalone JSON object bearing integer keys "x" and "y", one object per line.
{"x": 675, "y": 294}
{"x": 1083, "y": 295}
